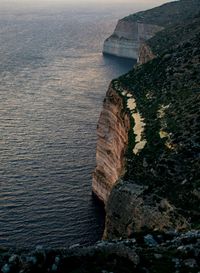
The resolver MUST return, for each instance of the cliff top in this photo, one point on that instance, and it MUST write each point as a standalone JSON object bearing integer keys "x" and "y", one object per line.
{"x": 169, "y": 13}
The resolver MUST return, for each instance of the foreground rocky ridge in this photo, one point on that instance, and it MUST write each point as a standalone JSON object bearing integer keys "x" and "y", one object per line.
{"x": 133, "y": 30}
{"x": 169, "y": 252}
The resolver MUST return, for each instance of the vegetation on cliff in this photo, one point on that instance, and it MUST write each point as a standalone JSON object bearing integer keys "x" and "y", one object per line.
{"x": 167, "y": 14}
{"x": 174, "y": 36}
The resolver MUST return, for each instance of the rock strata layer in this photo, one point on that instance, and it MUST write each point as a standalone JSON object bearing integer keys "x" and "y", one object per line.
{"x": 112, "y": 130}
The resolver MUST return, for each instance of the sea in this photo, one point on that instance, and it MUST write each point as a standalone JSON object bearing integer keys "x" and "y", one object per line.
{"x": 53, "y": 78}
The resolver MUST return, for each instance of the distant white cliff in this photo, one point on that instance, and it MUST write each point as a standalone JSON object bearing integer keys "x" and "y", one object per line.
{"x": 128, "y": 37}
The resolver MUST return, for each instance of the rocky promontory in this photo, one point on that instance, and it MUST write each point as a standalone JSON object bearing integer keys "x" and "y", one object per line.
{"x": 131, "y": 31}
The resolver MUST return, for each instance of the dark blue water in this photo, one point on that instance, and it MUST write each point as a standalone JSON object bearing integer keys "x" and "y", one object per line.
{"x": 53, "y": 78}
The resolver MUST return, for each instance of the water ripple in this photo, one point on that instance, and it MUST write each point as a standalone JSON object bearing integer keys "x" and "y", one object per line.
{"x": 52, "y": 83}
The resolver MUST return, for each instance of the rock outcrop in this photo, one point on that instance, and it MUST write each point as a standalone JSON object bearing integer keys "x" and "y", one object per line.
{"x": 112, "y": 131}
{"x": 127, "y": 38}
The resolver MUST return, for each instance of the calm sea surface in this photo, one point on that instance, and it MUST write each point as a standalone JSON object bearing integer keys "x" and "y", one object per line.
{"x": 53, "y": 78}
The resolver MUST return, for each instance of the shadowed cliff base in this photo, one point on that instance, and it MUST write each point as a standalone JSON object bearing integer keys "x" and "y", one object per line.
{"x": 119, "y": 60}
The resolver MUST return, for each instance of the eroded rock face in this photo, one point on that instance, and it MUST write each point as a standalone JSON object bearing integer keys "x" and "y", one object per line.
{"x": 112, "y": 131}
{"x": 127, "y": 38}
{"x": 145, "y": 54}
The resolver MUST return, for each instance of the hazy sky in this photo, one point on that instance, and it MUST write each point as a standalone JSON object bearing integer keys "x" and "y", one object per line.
{"x": 126, "y": 6}
{"x": 147, "y": 2}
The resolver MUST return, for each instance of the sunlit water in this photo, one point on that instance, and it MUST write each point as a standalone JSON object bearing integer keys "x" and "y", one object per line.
{"x": 53, "y": 78}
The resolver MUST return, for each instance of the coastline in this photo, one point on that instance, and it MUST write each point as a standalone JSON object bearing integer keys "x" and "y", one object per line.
{"x": 147, "y": 169}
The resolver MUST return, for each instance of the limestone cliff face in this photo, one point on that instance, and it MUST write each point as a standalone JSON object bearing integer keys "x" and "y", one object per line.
{"x": 127, "y": 38}
{"x": 112, "y": 131}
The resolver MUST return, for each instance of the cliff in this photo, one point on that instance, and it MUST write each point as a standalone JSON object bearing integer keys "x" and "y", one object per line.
{"x": 112, "y": 131}
{"x": 157, "y": 191}
{"x": 134, "y": 29}
{"x": 127, "y": 37}
{"x": 160, "y": 189}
